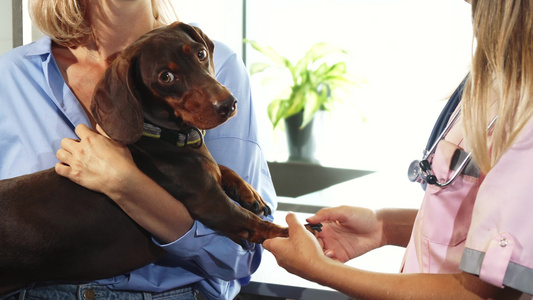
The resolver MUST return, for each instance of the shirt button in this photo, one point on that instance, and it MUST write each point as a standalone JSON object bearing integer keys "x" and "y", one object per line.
{"x": 503, "y": 242}
{"x": 88, "y": 294}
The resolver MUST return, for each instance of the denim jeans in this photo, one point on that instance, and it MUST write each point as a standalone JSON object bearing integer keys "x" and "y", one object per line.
{"x": 96, "y": 292}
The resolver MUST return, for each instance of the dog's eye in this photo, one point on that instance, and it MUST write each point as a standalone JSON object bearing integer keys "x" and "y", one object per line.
{"x": 202, "y": 54}
{"x": 166, "y": 77}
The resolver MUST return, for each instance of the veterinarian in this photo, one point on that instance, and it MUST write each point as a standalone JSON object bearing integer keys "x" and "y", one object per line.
{"x": 471, "y": 238}
{"x": 45, "y": 93}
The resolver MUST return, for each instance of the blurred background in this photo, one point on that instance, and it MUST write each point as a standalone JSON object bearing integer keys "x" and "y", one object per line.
{"x": 409, "y": 54}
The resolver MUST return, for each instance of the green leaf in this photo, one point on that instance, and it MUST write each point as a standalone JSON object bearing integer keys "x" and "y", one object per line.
{"x": 269, "y": 52}
{"x": 315, "y": 77}
{"x": 297, "y": 101}
{"x": 317, "y": 52}
{"x": 276, "y": 109}
{"x": 312, "y": 104}
{"x": 259, "y": 67}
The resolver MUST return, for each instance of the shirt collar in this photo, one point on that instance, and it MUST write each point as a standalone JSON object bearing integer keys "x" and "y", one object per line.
{"x": 42, "y": 46}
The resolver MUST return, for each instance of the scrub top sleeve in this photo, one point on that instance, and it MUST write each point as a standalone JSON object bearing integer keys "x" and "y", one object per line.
{"x": 499, "y": 246}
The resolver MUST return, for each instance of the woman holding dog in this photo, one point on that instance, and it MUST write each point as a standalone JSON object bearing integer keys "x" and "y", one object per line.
{"x": 45, "y": 95}
{"x": 470, "y": 239}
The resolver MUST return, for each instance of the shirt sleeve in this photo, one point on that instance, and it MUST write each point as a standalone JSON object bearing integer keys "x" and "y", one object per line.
{"x": 235, "y": 145}
{"x": 499, "y": 246}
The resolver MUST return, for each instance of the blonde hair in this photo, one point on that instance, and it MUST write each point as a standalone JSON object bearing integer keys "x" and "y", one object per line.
{"x": 65, "y": 20}
{"x": 501, "y": 77}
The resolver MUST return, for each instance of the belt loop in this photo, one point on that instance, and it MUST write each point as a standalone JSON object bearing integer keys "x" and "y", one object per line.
{"x": 147, "y": 296}
{"x": 22, "y": 294}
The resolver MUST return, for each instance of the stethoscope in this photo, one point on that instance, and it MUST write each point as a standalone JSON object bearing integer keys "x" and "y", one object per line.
{"x": 420, "y": 170}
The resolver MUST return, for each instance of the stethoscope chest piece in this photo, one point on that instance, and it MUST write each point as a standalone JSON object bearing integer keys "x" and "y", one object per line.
{"x": 413, "y": 173}
{"x": 420, "y": 171}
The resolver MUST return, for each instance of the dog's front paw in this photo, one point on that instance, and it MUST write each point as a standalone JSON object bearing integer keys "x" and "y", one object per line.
{"x": 243, "y": 193}
{"x": 248, "y": 198}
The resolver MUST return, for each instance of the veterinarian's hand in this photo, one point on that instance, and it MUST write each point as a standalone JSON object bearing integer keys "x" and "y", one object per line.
{"x": 95, "y": 161}
{"x": 300, "y": 253}
{"x": 348, "y": 232}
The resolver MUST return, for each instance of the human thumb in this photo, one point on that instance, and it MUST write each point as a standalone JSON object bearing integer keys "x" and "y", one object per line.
{"x": 101, "y": 131}
{"x": 293, "y": 223}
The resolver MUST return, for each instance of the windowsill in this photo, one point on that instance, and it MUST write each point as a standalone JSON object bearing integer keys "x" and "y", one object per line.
{"x": 294, "y": 179}
{"x": 375, "y": 190}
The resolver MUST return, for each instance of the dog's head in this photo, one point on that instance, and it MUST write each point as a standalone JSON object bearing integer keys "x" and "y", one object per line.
{"x": 167, "y": 78}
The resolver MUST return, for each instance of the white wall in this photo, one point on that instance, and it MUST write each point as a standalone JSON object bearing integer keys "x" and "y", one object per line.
{"x": 6, "y": 35}
{"x": 29, "y": 32}
{"x": 219, "y": 19}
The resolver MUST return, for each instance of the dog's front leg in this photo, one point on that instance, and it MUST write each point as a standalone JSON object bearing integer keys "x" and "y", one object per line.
{"x": 242, "y": 192}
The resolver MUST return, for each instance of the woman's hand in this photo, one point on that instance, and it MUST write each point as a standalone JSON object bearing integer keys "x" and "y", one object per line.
{"x": 103, "y": 165}
{"x": 95, "y": 161}
{"x": 348, "y": 232}
{"x": 300, "y": 253}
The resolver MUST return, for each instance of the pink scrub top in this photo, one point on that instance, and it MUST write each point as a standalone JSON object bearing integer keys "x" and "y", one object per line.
{"x": 479, "y": 225}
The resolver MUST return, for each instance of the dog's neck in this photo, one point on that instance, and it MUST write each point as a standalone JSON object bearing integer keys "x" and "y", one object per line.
{"x": 190, "y": 136}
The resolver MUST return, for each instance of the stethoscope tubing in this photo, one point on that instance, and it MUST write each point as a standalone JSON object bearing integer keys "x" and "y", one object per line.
{"x": 447, "y": 129}
{"x": 425, "y": 167}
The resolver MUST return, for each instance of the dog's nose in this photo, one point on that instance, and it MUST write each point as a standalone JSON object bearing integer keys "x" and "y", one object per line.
{"x": 227, "y": 106}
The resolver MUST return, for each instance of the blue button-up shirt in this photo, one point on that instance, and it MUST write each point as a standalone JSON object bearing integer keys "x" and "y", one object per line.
{"x": 38, "y": 110}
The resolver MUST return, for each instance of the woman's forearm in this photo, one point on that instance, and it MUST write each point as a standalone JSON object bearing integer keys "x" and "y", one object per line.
{"x": 103, "y": 165}
{"x": 397, "y": 225}
{"x": 302, "y": 255}
{"x": 152, "y": 207}
{"x": 361, "y": 284}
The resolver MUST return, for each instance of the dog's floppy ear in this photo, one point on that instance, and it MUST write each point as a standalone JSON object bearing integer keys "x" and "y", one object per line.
{"x": 199, "y": 36}
{"x": 116, "y": 105}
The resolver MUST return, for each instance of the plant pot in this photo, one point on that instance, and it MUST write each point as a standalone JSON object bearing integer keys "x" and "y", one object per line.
{"x": 301, "y": 141}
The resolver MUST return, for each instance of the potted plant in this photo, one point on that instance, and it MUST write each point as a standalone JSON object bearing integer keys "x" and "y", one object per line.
{"x": 314, "y": 86}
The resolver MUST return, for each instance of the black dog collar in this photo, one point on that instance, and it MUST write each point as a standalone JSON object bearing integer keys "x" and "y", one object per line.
{"x": 191, "y": 136}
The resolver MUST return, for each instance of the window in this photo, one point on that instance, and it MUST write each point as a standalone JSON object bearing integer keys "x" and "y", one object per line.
{"x": 412, "y": 53}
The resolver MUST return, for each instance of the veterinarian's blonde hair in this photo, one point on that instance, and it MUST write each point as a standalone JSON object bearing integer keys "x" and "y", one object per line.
{"x": 501, "y": 77}
{"x": 64, "y": 20}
